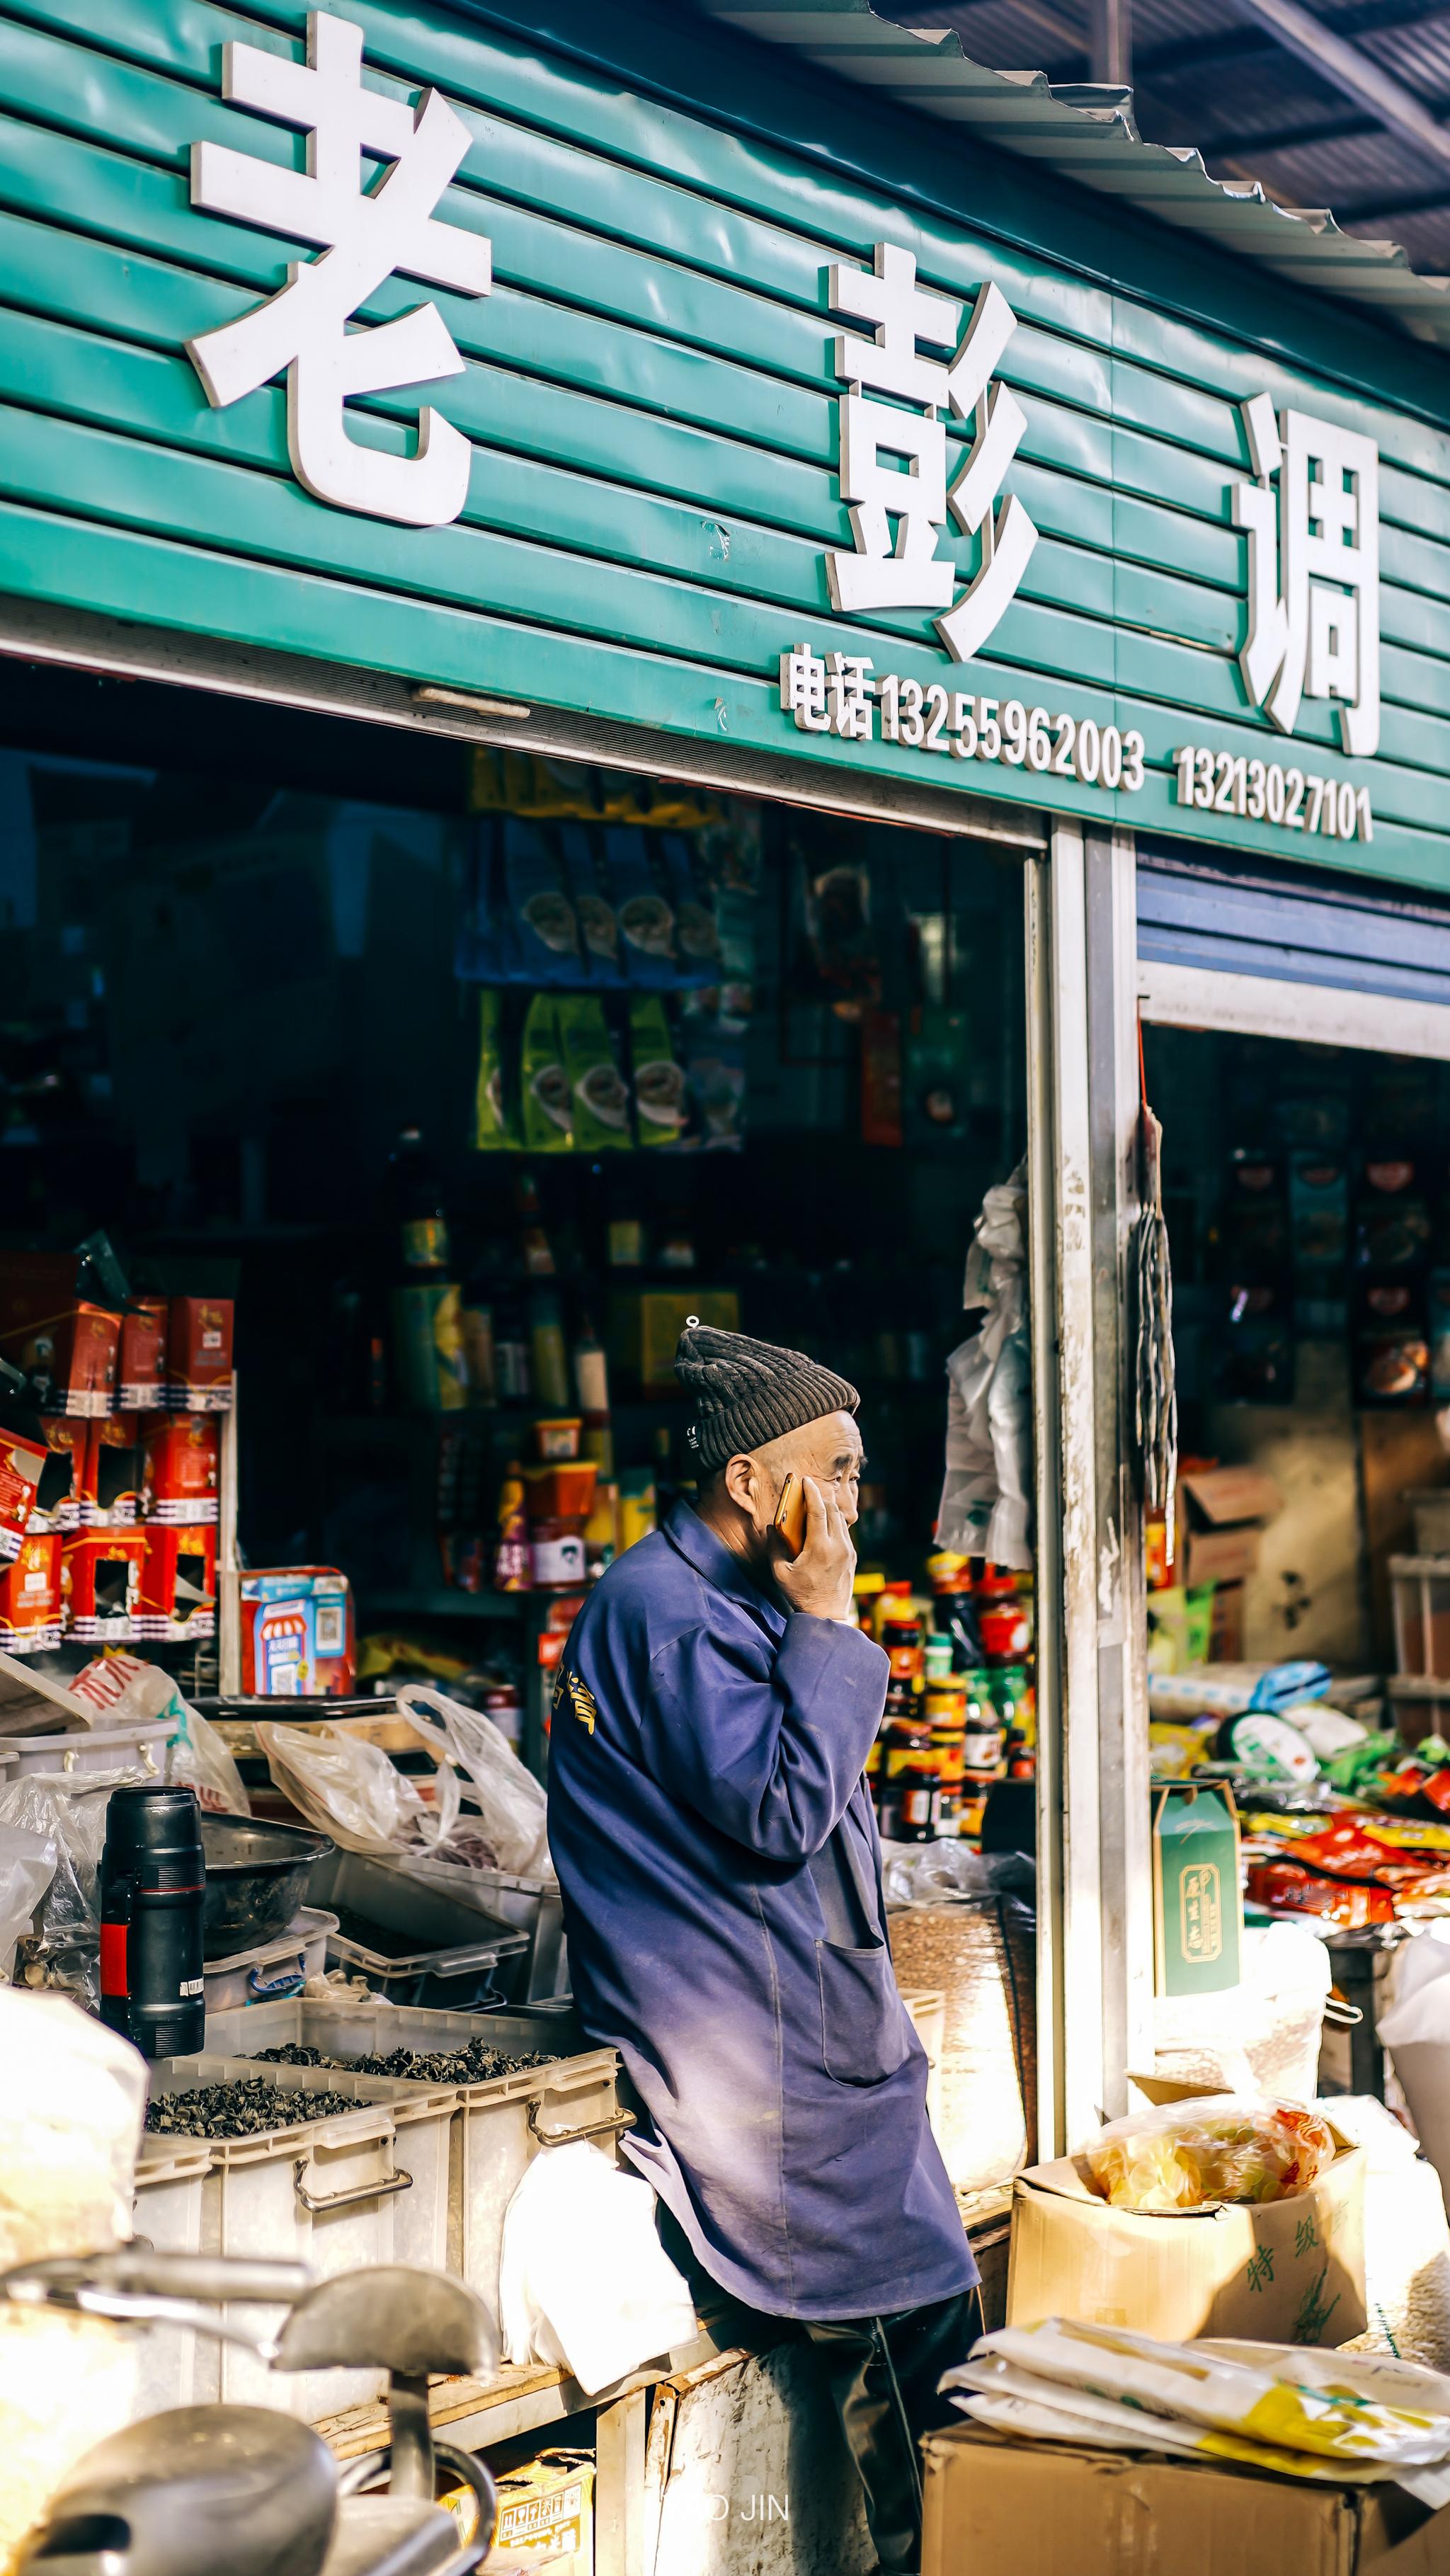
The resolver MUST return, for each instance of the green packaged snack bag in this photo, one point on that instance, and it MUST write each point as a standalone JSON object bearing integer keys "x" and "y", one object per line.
{"x": 493, "y": 1131}
{"x": 599, "y": 1101}
{"x": 543, "y": 1081}
{"x": 659, "y": 1082}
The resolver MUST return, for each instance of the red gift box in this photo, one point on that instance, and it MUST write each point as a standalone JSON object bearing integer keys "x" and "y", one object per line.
{"x": 21, "y": 1461}
{"x": 178, "y": 1581}
{"x": 199, "y": 1355}
{"x": 180, "y": 1467}
{"x": 100, "y": 1582}
{"x": 141, "y": 1369}
{"x": 30, "y": 1610}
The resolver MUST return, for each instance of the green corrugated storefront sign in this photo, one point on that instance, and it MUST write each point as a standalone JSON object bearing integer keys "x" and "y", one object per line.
{"x": 1188, "y": 528}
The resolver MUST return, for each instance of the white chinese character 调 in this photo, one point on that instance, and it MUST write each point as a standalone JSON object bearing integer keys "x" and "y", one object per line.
{"x": 803, "y": 689}
{"x": 893, "y": 461}
{"x": 366, "y": 235}
{"x": 1314, "y": 616}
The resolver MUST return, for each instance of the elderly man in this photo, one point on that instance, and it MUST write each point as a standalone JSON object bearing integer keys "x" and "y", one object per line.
{"x": 721, "y": 1877}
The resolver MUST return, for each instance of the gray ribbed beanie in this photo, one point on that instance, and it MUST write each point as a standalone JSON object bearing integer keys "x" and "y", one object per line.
{"x": 749, "y": 1392}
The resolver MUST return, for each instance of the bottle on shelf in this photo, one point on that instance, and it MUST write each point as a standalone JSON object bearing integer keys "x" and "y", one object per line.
{"x": 548, "y": 1351}
{"x": 415, "y": 1207}
{"x": 511, "y": 1568}
{"x": 535, "y": 1248}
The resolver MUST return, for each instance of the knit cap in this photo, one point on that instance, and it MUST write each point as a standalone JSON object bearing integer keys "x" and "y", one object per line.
{"x": 747, "y": 1393}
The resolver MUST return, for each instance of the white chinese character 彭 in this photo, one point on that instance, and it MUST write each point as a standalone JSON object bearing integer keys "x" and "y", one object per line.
{"x": 366, "y": 235}
{"x": 893, "y": 460}
{"x": 1314, "y": 615}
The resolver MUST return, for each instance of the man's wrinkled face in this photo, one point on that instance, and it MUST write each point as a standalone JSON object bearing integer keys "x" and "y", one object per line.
{"x": 830, "y": 1451}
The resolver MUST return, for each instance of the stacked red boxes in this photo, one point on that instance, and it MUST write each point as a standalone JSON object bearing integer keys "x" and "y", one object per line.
{"x": 114, "y": 1474}
{"x": 180, "y": 1467}
{"x": 141, "y": 1370}
{"x": 69, "y": 1347}
{"x": 199, "y": 1355}
{"x": 21, "y": 1461}
{"x": 100, "y": 1584}
{"x": 30, "y": 1612}
{"x": 177, "y": 1599}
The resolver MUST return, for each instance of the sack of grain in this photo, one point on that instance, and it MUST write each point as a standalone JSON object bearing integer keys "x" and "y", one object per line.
{"x": 981, "y": 1954}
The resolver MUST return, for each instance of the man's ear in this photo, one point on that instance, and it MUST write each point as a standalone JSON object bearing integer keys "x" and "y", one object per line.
{"x": 742, "y": 1483}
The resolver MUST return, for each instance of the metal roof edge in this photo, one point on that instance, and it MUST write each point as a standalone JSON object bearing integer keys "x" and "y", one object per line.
{"x": 1087, "y": 135}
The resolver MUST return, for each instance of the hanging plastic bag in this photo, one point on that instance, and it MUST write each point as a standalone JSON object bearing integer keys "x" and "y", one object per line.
{"x": 116, "y": 1688}
{"x": 27, "y": 1866}
{"x": 984, "y": 1509}
{"x": 512, "y": 1805}
{"x": 584, "y": 2282}
{"x": 350, "y": 1791}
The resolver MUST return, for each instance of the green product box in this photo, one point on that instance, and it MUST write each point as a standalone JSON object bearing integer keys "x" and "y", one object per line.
{"x": 1197, "y": 1905}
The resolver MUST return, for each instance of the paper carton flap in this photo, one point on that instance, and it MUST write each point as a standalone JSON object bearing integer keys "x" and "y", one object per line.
{"x": 1232, "y": 1494}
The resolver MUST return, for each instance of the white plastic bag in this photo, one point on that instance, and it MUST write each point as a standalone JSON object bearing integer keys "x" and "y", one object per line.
{"x": 511, "y": 1801}
{"x": 984, "y": 1510}
{"x": 1417, "y": 2034}
{"x": 71, "y": 2109}
{"x": 584, "y": 2282}
{"x": 1262, "y": 2035}
{"x": 349, "y": 1790}
{"x": 27, "y": 1866}
{"x": 68, "y": 1809}
{"x": 117, "y": 1688}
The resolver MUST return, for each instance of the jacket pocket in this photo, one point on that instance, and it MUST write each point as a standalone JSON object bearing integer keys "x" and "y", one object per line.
{"x": 865, "y": 2033}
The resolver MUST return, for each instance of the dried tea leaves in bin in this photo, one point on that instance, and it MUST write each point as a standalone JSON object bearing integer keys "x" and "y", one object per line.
{"x": 239, "y": 2109}
{"x": 474, "y": 2063}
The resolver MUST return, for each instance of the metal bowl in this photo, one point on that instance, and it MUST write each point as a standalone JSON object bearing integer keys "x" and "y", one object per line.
{"x": 256, "y": 1877}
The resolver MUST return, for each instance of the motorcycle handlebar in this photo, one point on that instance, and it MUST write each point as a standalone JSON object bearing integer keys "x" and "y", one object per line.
{"x": 140, "y": 2272}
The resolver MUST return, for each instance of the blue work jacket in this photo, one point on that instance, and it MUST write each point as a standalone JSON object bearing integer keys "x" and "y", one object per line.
{"x": 721, "y": 1878}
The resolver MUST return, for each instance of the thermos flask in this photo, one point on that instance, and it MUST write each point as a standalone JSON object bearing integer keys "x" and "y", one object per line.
{"x": 153, "y": 1880}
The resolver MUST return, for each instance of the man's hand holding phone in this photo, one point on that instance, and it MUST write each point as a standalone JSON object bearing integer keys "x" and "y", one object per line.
{"x": 814, "y": 1571}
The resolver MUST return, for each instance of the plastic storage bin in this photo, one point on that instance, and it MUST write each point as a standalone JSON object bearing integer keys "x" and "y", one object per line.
{"x": 103, "y": 1748}
{"x": 368, "y": 2186}
{"x": 498, "y": 2127}
{"x": 414, "y": 1942}
{"x": 275, "y": 1969}
{"x": 531, "y": 1905}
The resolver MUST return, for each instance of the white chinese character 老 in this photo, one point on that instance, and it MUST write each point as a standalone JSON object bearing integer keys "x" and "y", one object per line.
{"x": 893, "y": 461}
{"x": 1314, "y": 620}
{"x": 803, "y": 689}
{"x": 365, "y": 235}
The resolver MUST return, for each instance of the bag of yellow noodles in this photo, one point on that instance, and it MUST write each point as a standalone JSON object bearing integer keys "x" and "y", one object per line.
{"x": 1218, "y": 2146}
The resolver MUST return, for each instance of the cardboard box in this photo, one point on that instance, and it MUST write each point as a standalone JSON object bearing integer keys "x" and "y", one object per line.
{"x": 180, "y": 1467}
{"x": 30, "y": 1592}
{"x": 546, "y": 2517}
{"x": 177, "y": 1600}
{"x": 100, "y": 1584}
{"x": 297, "y": 1633}
{"x": 1277, "y": 2271}
{"x": 199, "y": 1355}
{"x": 1198, "y": 1906}
{"x": 141, "y": 1368}
{"x": 69, "y": 1348}
{"x": 1223, "y": 1510}
{"x": 21, "y": 1461}
{"x": 999, "y": 2506}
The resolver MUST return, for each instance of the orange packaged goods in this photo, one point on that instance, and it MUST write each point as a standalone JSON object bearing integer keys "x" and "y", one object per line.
{"x": 100, "y": 1584}
{"x": 199, "y": 1355}
{"x": 141, "y": 1370}
{"x": 180, "y": 1456}
{"x": 1187, "y": 2155}
{"x": 21, "y": 1461}
{"x": 68, "y": 1346}
{"x": 563, "y": 1491}
{"x": 1285, "y": 1887}
{"x": 30, "y": 1592}
{"x": 178, "y": 1582}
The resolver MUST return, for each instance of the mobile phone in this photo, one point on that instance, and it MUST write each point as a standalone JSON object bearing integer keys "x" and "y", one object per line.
{"x": 790, "y": 1514}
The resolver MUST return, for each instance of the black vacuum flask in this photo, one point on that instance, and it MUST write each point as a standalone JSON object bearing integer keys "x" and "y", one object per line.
{"x": 153, "y": 1881}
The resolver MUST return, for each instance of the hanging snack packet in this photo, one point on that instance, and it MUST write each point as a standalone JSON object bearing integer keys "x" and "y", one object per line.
{"x": 492, "y": 1130}
{"x": 543, "y": 1081}
{"x": 599, "y": 1099}
{"x": 646, "y": 920}
{"x": 482, "y": 952}
{"x": 598, "y": 927}
{"x": 696, "y": 936}
{"x": 543, "y": 917}
{"x": 715, "y": 1074}
{"x": 659, "y": 1084}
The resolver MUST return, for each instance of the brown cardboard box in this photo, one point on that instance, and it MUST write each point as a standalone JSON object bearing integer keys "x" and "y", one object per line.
{"x": 999, "y": 2506}
{"x": 1276, "y": 2271}
{"x": 1223, "y": 1510}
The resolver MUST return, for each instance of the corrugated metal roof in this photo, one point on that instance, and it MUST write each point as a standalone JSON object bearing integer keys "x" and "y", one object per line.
{"x": 1090, "y": 135}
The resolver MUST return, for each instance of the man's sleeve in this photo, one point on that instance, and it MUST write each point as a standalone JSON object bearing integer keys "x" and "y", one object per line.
{"x": 769, "y": 1760}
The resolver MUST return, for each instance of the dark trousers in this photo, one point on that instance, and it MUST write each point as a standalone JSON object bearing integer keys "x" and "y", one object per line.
{"x": 882, "y": 2374}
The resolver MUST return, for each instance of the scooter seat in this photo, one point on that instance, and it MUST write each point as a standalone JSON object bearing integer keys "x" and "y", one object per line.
{"x": 380, "y": 2535}
{"x": 234, "y": 2490}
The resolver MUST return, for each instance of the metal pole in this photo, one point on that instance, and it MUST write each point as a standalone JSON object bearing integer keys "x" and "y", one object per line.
{"x": 1110, "y": 42}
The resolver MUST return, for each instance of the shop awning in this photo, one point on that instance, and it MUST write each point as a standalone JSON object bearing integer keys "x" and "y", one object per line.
{"x": 1087, "y": 134}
